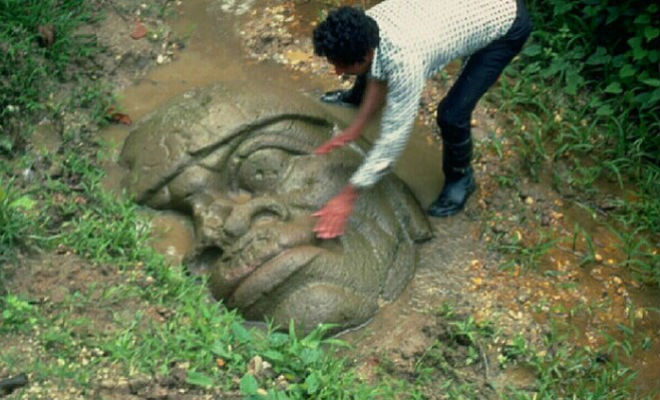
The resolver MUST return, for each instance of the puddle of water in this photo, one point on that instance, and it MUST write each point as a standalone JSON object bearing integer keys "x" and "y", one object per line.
{"x": 626, "y": 299}
{"x": 172, "y": 235}
{"x": 212, "y": 54}
{"x": 308, "y": 12}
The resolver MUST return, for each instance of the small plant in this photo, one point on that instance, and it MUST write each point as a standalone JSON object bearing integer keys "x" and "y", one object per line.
{"x": 17, "y": 314}
{"x": 14, "y": 222}
{"x": 525, "y": 255}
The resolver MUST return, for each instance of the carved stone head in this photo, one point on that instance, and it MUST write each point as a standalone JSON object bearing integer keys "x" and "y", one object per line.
{"x": 237, "y": 158}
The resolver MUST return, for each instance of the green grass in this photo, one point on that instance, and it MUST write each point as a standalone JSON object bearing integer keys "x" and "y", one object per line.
{"x": 573, "y": 107}
{"x": 106, "y": 229}
{"x": 15, "y": 222}
{"x": 72, "y": 212}
{"x": 559, "y": 368}
{"x": 32, "y": 72}
{"x": 565, "y": 370}
{"x": 527, "y": 256}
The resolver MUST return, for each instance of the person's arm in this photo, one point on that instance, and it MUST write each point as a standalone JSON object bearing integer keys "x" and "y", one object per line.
{"x": 372, "y": 103}
{"x": 402, "y": 100}
{"x": 404, "y": 90}
{"x": 333, "y": 217}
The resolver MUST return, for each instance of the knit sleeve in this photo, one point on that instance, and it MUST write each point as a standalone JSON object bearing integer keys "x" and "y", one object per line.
{"x": 405, "y": 84}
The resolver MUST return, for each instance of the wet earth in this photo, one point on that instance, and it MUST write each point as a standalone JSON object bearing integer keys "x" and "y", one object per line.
{"x": 476, "y": 263}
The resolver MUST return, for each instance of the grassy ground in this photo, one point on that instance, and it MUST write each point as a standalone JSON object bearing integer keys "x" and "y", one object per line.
{"x": 166, "y": 335}
{"x": 586, "y": 113}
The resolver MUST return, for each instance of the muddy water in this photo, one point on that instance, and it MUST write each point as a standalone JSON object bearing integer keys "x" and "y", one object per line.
{"x": 621, "y": 299}
{"x": 213, "y": 54}
{"x": 446, "y": 263}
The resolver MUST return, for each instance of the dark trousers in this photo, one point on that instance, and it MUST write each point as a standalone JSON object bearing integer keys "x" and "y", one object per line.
{"x": 479, "y": 73}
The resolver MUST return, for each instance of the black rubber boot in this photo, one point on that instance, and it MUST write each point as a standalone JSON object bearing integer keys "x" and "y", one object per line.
{"x": 459, "y": 180}
{"x": 347, "y": 98}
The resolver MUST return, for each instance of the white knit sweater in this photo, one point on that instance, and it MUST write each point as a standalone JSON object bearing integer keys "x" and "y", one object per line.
{"x": 417, "y": 39}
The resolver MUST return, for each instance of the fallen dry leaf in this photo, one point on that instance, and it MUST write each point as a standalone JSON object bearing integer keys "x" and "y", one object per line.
{"x": 117, "y": 117}
{"x": 220, "y": 362}
{"x": 121, "y": 118}
{"x": 46, "y": 35}
{"x": 140, "y": 30}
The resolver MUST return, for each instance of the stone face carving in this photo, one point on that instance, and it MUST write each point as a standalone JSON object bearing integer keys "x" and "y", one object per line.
{"x": 237, "y": 158}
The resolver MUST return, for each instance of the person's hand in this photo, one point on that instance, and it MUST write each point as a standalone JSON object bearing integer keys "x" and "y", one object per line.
{"x": 333, "y": 217}
{"x": 338, "y": 141}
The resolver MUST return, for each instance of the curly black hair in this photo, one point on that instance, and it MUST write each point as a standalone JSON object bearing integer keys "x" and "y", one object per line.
{"x": 346, "y": 36}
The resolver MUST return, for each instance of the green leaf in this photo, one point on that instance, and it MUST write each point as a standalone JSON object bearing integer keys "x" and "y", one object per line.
{"x": 635, "y": 43}
{"x": 220, "y": 349}
{"x": 627, "y": 71}
{"x": 651, "y": 32}
{"x": 531, "y": 68}
{"x": 277, "y": 339}
{"x": 249, "y": 384}
{"x": 6, "y": 144}
{"x": 292, "y": 329}
{"x": 654, "y": 98}
{"x": 532, "y": 50}
{"x": 273, "y": 395}
{"x": 336, "y": 342}
{"x": 613, "y": 14}
{"x": 599, "y": 57}
{"x": 646, "y": 100}
{"x": 24, "y": 202}
{"x": 312, "y": 382}
{"x": 614, "y": 88}
{"x": 653, "y": 55}
{"x": 199, "y": 379}
{"x": 638, "y": 51}
{"x": 640, "y": 54}
{"x": 310, "y": 356}
{"x": 242, "y": 335}
{"x": 573, "y": 82}
{"x": 654, "y": 82}
{"x": 604, "y": 111}
{"x": 273, "y": 355}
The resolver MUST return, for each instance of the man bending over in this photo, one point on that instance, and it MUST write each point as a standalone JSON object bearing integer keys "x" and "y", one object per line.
{"x": 393, "y": 48}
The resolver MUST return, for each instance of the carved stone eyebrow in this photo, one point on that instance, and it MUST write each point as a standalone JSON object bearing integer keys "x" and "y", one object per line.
{"x": 297, "y": 136}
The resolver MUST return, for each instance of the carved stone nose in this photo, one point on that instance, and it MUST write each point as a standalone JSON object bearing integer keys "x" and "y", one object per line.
{"x": 242, "y": 216}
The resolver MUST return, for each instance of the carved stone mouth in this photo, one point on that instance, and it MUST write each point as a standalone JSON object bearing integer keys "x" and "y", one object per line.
{"x": 201, "y": 263}
{"x": 271, "y": 274}
{"x": 268, "y": 248}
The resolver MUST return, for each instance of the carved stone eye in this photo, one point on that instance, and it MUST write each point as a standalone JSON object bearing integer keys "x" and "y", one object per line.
{"x": 262, "y": 170}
